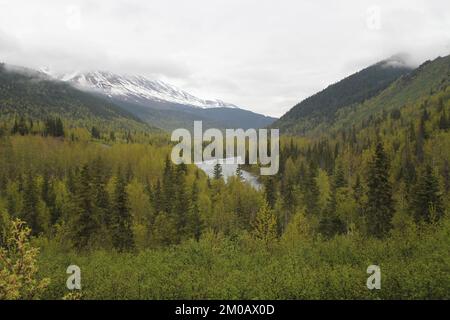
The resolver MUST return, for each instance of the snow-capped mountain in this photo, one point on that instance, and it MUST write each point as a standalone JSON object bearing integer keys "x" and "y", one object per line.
{"x": 160, "y": 104}
{"x": 135, "y": 88}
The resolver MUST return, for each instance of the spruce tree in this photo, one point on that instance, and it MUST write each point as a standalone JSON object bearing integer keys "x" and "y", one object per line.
{"x": 337, "y": 183}
{"x": 182, "y": 205}
{"x": 85, "y": 224}
{"x": 287, "y": 187}
{"x": 100, "y": 195}
{"x": 49, "y": 197}
{"x": 54, "y": 127}
{"x": 195, "y": 224}
{"x": 446, "y": 176}
{"x": 239, "y": 173}
{"x": 358, "y": 189}
{"x": 30, "y": 204}
{"x": 15, "y": 128}
{"x": 59, "y": 128}
{"x": 20, "y": 127}
{"x": 380, "y": 206}
{"x": 422, "y": 135}
{"x": 95, "y": 133}
{"x": 168, "y": 187}
{"x": 122, "y": 233}
{"x": 339, "y": 177}
{"x": 444, "y": 121}
{"x": 426, "y": 202}
{"x": 270, "y": 192}
{"x": 217, "y": 171}
{"x": 157, "y": 197}
{"x": 311, "y": 191}
{"x": 331, "y": 225}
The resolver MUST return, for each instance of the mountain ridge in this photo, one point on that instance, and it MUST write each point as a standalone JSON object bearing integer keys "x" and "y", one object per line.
{"x": 160, "y": 104}
{"x": 137, "y": 87}
{"x": 322, "y": 106}
{"x": 32, "y": 93}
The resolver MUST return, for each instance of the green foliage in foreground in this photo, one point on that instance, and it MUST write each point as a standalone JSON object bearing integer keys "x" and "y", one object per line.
{"x": 415, "y": 264}
{"x": 18, "y": 265}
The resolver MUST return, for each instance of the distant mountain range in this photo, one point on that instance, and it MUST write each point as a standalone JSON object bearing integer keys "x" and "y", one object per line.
{"x": 160, "y": 104}
{"x": 384, "y": 86}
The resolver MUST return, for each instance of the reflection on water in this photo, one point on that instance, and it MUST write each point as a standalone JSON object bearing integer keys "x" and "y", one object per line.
{"x": 229, "y": 167}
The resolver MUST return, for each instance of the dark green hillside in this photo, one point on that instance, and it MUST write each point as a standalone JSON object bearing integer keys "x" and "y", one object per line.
{"x": 356, "y": 88}
{"x": 429, "y": 78}
{"x": 30, "y": 93}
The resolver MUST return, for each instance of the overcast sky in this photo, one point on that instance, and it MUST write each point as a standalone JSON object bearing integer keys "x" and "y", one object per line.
{"x": 262, "y": 55}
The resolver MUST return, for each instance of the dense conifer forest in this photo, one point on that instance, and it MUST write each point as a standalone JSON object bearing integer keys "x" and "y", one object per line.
{"x": 107, "y": 198}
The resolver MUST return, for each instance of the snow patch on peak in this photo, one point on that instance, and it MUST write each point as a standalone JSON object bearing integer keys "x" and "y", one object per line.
{"x": 137, "y": 88}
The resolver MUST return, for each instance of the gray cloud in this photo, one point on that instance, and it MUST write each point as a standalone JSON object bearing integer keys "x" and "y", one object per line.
{"x": 260, "y": 54}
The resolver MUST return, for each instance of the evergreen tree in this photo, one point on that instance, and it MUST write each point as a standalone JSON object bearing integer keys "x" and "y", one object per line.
{"x": 444, "y": 122}
{"x": 30, "y": 205}
{"x": 15, "y": 128}
{"x": 49, "y": 197}
{"x": 311, "y": 191}
{"x": 129, "y": 137}
{"x": 195, "y": 224}
{"x": 331, "y": 224}
{"x": 20, "y": 127}
{"x": 122, "y": 233}
{"x": 422, "y": 135}
{"x": 71, "y": 180}
{"x": 23, "y": 128}
{"x": 182, "y": 205}
{"x": 85, "y": 224}
{"x": 157, "y": 197}
{"x": 54, "y": 127}
{"x": 270, "y": 192}
{"x": 95, "y": 133}
{"x": 339, "y": 177}
{"x": 287, "y": 187}
{"x": 380, "y": 207}
{"x": 168, "y": 187}
{"x": 427, "y": 201}
{"x": 100, "y": 195}
{"x": 446, "y": 176}
{"x": 217, "y": 171}
{"x": 239, "y": 173}
{"x": 358, "y": 189}
{"x": 59, "y": 128}
{"x": 408, "y": 170}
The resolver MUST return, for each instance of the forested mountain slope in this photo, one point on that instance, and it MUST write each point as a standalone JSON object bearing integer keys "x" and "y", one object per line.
{"x": 25, "y": 92}
{"x": 427, "y": 79}
{"x": 322, "y": 107}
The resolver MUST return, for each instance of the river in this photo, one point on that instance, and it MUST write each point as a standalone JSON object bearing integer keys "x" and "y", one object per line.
{"x": 229, "y": 170}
